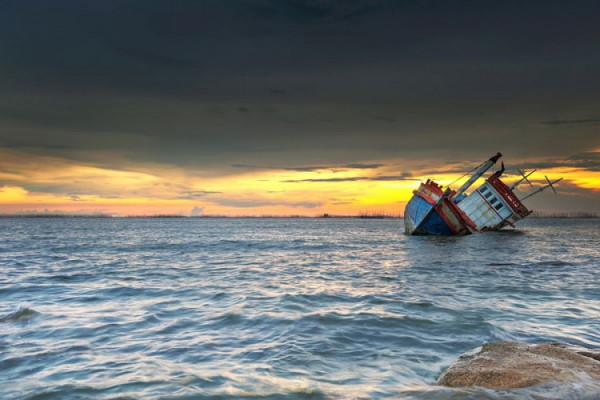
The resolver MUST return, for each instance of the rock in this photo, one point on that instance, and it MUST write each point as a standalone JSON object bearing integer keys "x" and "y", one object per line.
{"x": 507, "y": 365}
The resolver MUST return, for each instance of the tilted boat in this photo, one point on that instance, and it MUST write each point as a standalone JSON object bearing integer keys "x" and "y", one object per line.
{"x": 434, "y": 210}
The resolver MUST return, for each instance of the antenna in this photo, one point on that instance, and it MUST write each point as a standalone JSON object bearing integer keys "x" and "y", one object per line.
{"x": 524, "y": 178}
{"x": 550, "y": 184}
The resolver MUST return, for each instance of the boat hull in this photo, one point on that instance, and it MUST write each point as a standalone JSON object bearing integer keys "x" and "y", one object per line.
{"x": 420, "y": 218}
{"x": 431, "y": 212}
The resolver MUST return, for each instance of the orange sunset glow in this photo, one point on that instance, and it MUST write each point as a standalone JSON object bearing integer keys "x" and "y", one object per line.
{"x": 71, "y": 187}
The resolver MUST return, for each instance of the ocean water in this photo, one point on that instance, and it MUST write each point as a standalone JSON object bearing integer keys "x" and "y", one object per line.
{"x": 281, "y": 308}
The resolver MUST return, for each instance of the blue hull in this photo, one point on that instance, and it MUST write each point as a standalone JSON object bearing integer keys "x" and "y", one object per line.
{"x": 418, "y": 219}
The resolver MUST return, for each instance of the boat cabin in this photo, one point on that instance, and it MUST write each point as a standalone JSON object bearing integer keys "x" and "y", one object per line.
{"x": 493, "y": 205}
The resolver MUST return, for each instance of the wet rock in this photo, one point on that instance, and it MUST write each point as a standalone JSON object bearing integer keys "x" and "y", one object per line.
{"x": 507, "y": 365}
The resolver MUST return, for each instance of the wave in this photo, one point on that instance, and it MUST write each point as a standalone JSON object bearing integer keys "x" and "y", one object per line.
{"x": 542, "y": 392}
{"x": 549, "y": 263}
{"x": 21, "y": 314}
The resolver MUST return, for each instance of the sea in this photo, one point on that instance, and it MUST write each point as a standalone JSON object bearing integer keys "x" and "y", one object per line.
{"x": 282, "y": 308}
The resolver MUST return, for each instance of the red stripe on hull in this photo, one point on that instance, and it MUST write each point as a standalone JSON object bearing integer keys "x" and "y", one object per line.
{"x": 453, "y": 217}
{"x": 442, "y": 212}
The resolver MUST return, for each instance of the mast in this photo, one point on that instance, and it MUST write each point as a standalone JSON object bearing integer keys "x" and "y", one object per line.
{"x": 550, "y": 184}
{"x": 524, "y": 178}
{"x": 476, "y": 175}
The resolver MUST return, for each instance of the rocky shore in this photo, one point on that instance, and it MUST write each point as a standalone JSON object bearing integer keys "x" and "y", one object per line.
{"x": 508, "y": 365}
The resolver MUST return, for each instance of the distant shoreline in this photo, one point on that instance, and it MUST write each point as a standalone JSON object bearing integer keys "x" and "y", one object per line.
{"x": 324, "y": 216}
{"x": 198, "y": 217}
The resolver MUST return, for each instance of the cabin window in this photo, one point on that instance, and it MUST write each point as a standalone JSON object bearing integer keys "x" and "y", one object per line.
{"x": 484, "y": 189}
{"x": 493, "y": 200}
{"x": 488, "y": 194}
{"x": 498, "y": 206}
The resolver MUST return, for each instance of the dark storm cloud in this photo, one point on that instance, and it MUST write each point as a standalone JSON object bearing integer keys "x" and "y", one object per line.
{"x": 588, "y": 160}
{"x": 315, "y": 11}
{"x": 350, "y": 179}
{"x": 573, "y": 121}
{"x": 593, "y": 156}
{"x": 299, "y": 169}
{"x": 310, "y": 168}
{"x": 149, "y": 57}
{"x": 210, "y": 84}
{"x": 363, "y": 166}
{"x": 402, "y": 177}
{"x": 405, "y": 176}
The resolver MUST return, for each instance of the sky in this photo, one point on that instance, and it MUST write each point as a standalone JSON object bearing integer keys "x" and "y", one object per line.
{"x": 292, "y": 107}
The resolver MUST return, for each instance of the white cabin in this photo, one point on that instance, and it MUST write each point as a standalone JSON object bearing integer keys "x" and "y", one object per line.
{"x": 486, "y": 207}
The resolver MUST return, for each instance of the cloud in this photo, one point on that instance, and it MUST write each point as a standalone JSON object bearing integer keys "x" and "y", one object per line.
{"x": 149, "y": 57}
{"x": 588, "y": 155}
{"x": 316, "y": 11}
{"x": 385, "y": 119}
{"x": 585, "y": 160}
{"x": 363, "y": 166}
{"x": 349, "y": 179}
{"x": 310, "y": 168}
{"x": 592, "y": 121}
{"x": 176, "y": 83}
{"x": 405, "y": 176}
{"x": 402, "y": 177}
{"x": 299, "y": 169}
{"x": 278, "y": 91}
{"x": 195, "y": 194}
{"x": 196, "y": 211}
{"x": 341, "y": 202}
{"x": 588, "y": 160}
{"x": 252, "y": 203}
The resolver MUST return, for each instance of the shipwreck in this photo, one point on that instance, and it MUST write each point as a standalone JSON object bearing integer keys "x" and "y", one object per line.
{"x": 435, "y": 210}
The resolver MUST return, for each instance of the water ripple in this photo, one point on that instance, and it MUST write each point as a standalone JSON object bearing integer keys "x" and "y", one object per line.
{"x": 280, "y": 308}
{"x": 21, "y": 314}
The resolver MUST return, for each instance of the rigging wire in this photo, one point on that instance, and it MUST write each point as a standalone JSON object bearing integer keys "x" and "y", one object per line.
{"x": 465, "y": 174}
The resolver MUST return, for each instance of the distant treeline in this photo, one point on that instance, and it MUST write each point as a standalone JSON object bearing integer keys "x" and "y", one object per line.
{"x": 368, "y": 215}
{"x": 55, "y": 215}
{"x": 362, "y": 215}
{"x": 572, "y": 214}
{"x": 378, "y": 215}
{"x": 213, "y": 216}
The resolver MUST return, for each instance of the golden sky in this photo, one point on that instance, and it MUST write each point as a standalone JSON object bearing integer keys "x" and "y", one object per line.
{"x": 38, "y": 183}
